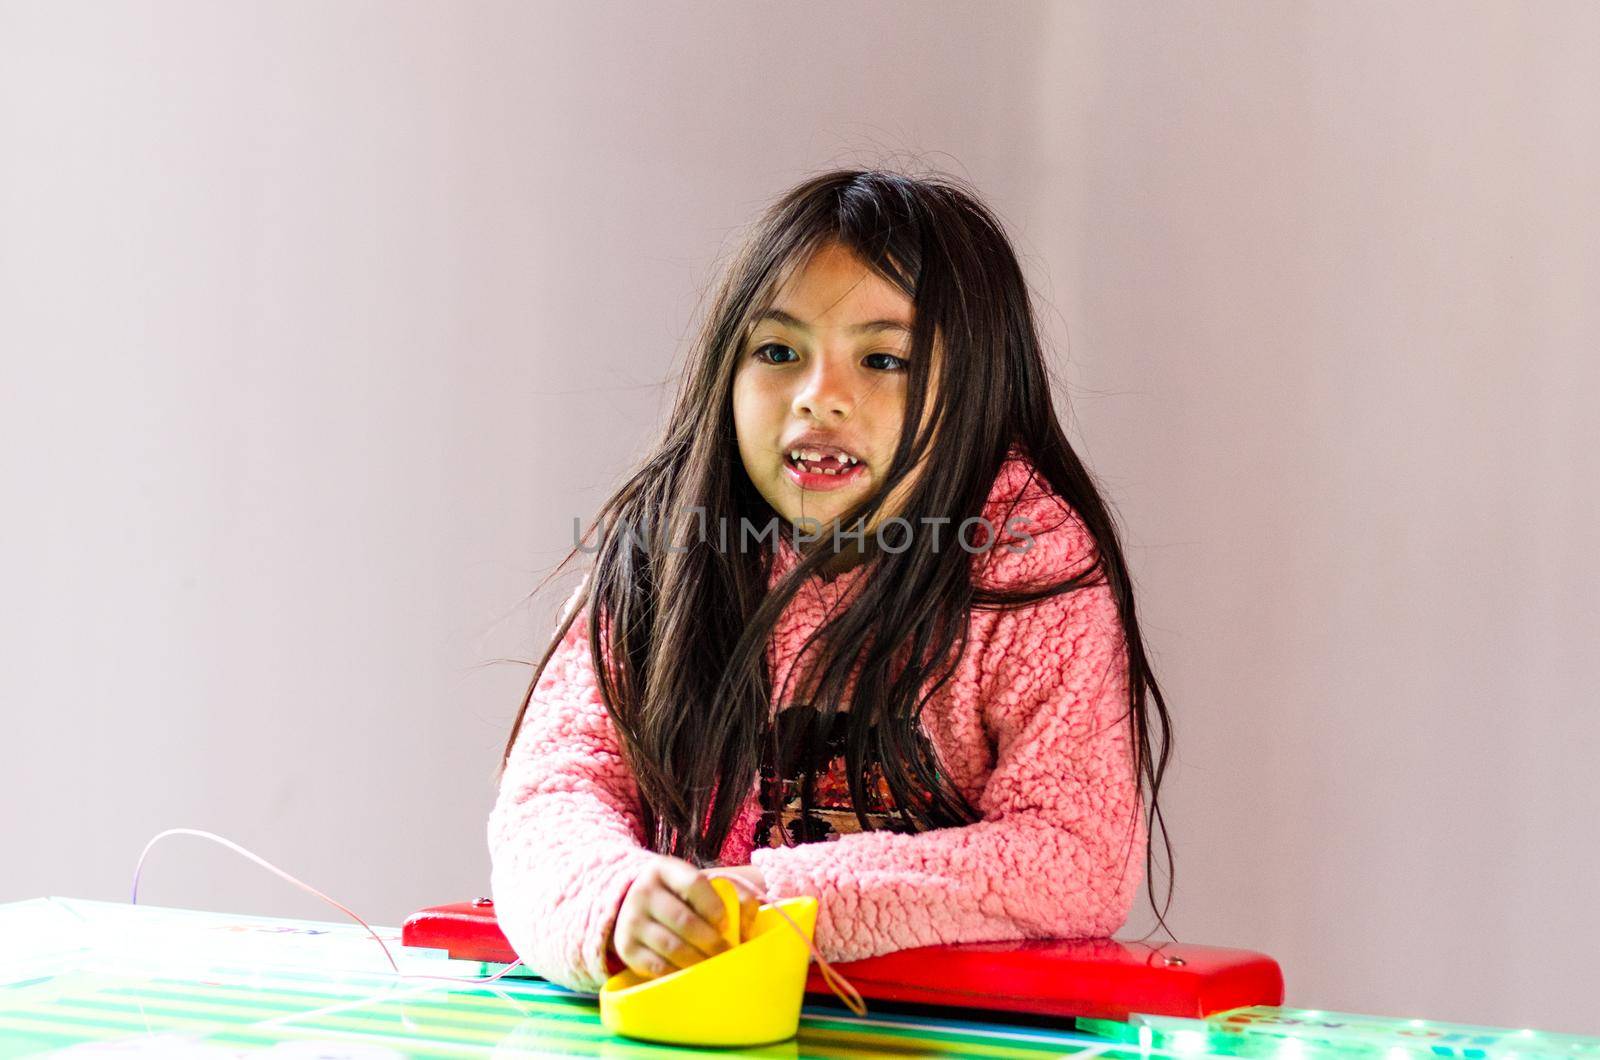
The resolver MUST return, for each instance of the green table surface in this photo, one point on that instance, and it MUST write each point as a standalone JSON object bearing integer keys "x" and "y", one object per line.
{"x": 89, "y": 978}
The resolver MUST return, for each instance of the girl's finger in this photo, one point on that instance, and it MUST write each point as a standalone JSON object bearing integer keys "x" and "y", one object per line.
{"x": 670, "y": 911}
{"x": 670, "y": 947}
{"x": 691, "y": 885}
{"x": 643, "y": 960}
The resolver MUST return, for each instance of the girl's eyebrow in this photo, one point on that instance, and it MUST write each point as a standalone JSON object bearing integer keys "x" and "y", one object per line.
{"x": 789, "y": 320}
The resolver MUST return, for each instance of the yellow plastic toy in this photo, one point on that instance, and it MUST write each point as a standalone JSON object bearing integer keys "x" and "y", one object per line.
{"x": 747, "y": 995}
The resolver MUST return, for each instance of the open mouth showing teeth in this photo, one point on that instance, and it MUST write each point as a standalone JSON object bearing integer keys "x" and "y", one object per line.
{"x": 821, "y": 463}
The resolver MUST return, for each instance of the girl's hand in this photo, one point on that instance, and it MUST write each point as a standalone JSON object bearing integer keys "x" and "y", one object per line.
{"x": 671, "y": 918}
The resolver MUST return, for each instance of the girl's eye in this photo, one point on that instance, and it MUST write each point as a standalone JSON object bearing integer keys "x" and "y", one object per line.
{"x": 760, "y": 353}
{"x": 772, "y": 346}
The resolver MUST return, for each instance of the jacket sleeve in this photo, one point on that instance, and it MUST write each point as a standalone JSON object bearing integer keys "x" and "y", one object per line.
{"x": 565, "y": 837}
{"x": 1059, "y": 851}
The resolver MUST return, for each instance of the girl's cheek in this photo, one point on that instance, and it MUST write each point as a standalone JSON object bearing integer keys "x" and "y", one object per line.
{"x": 775, "y": 396}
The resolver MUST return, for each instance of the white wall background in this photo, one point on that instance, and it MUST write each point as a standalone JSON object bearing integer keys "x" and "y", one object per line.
{"x": 321, "y": 322}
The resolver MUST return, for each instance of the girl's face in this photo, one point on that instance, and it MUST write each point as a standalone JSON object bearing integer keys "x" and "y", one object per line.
{"x": 824, "y": 374}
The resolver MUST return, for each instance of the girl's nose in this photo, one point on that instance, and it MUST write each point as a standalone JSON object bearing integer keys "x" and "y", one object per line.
{"x": 826, "y": 393}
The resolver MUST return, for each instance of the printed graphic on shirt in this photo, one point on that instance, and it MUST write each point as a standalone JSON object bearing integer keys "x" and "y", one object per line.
{"x": 831, "y": 813}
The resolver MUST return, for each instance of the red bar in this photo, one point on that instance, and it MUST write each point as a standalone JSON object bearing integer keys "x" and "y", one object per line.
{"x": 1090, "y": 978}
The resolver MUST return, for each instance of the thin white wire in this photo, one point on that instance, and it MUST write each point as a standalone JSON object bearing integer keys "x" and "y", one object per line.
{"x": 852, "y": 999}
{"x": 270, "y": 867}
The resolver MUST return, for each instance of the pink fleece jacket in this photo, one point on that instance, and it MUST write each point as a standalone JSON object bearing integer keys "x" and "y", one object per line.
{"x": 1033, "y": 729}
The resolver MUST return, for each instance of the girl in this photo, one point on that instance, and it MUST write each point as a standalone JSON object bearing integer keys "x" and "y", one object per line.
{"x": 860, "y": 627}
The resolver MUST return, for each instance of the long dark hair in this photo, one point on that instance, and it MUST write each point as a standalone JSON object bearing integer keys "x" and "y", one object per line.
{"x": 678, "y": 634}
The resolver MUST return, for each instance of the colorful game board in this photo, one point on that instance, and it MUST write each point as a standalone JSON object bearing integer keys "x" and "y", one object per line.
{"x": 84, "y": 978}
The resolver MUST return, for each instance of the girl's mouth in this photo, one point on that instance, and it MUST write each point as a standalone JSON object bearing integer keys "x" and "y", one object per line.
{"x": 820, "y": 473}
